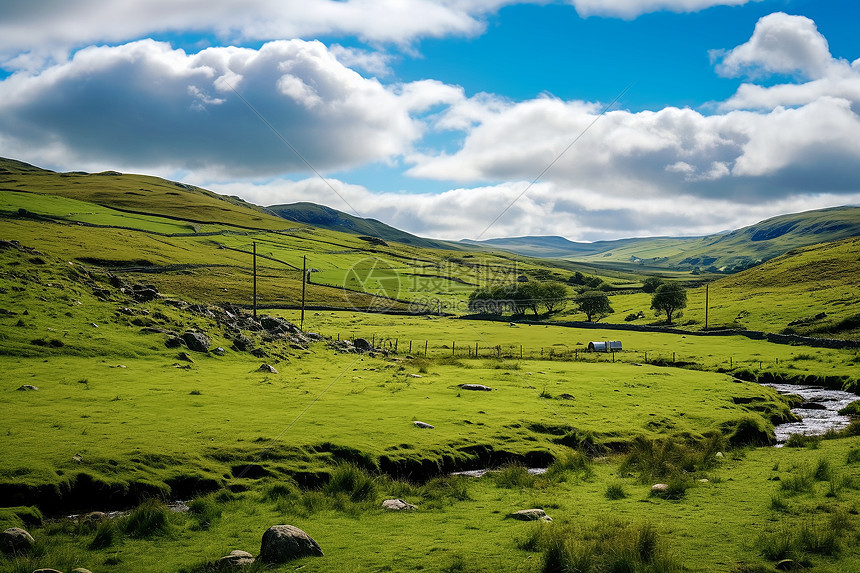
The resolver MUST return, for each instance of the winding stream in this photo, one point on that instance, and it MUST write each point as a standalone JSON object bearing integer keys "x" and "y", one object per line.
{"x": 820, "y": 410}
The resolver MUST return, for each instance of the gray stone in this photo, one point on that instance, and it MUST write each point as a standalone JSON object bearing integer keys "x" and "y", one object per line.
{"x": 267, "y": 368}
{"x": 362, "y": 345}
{"x": 478, "y": 387}
{"x": 16, "y": 541}
{"x": 531, "y": 515}
{"x": 196, "y": 341}
{"x": 218, "y": 351}
{"x": 236, "y": 558}
{"x": 659, "y": 488}
{"x": 81, "y": 570}
{"x": 242, "y": 343}
{"x": 27, "y": 388}
{"x": 398, "y": 505}
{"x": 282, "y": 543}
{"x": 424, "y": 425}
{"x": 45, "y": 570}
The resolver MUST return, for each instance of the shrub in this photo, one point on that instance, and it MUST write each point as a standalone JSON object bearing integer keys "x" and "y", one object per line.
{"x": 148, "y": 519}
{"x": 106, "y": 535}
{"x": 615, "y": 491}
{"x": 803, "y": 441}
{"x": 853, "y": 456}
{"x": 353, "y": 481}
{"x": 205, "y": 511}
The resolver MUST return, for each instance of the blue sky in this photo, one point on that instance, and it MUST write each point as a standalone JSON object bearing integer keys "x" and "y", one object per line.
{"x": 436, "y": 117}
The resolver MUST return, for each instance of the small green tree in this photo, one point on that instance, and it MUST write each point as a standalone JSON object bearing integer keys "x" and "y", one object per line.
{"x": 554, "y": 296}
{"x": 669, "y": 298}
{"x": 651, "y": 284}
{"x": 594, "y": 303}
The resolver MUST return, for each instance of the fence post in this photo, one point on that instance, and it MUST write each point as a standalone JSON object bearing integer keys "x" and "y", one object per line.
{"x": 521, "y": 351}
{"x": 476, "y": 350}
{"x": 410, "y": 347}
{"x": 425, "y": 349}
{"x": 453, "y": 346}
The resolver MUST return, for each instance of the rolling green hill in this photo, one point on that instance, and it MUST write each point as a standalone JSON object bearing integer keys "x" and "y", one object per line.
{"x": 327, "y": 218}
{"x": 722, "y": 252}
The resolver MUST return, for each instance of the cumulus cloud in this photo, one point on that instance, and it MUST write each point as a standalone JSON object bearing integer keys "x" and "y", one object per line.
{"x": 630, "y": 9}
{"x": 547, "y": 209}
{"x": 49, "y": 27}
{"x": 780, "y": 44}
{"x": 146, "y": 105}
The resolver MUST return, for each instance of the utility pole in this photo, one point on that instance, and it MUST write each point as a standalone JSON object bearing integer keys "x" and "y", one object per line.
{"x": 706, "y": 305}
{"x": 304, "y": 283}
{"x": 255, "y": 280}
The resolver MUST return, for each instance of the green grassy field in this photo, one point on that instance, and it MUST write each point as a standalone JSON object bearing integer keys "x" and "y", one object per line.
{"x": 120, "y": 420}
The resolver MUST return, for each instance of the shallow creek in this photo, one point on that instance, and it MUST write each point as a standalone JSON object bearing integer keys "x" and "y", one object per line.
{"x": 819, "y": 411}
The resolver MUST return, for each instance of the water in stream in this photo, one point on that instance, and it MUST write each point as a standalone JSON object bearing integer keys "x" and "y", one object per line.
{"x": 819, "y": 412}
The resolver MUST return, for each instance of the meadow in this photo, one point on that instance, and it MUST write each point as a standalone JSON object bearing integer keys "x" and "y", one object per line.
{"x": 123, "y": 419}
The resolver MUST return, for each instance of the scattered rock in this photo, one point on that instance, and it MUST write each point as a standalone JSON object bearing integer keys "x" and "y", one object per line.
{"x": 282, "y": 543}
{"x": 478, "y": 387}
{"x": 659, "y": 488}
{"x": 267, "y": 368}
{"x": 277, "y": 325}
{"x": 362, "y": 345}
{"x": 236, "y": 558}
{"x": 81, "y": 570}
{"x": 16, "y": 541}
{"x": 218, "y": 351}
{"x": 27, "y": 388}
{"x": 719, "y": 455}
{"x": 530, "y": 515}
{"x": 47, "y": 571}
{"x": 259, "y": 353}
{"x": 812, "y": 406}
{"x": 566, "y": 396}
{"x": 413, "y": 376}
{"x": 424, "y": 425}
{"x": 398, "y": 505}
{"x": 787, "y": 565}
{"x": 184, "y": 356}
{"x": 196, "y": 341}
{"x": 174, "y": 342}
{"x": 242, "y": 343}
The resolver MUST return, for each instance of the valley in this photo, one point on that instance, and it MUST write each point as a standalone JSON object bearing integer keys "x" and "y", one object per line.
{"x": 157, "y": 347}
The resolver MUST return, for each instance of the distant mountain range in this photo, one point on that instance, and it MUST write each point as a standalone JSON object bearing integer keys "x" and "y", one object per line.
{"x": 722, "y": 252}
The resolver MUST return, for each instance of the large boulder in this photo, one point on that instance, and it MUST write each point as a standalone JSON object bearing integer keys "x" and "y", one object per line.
{"x": 282, "y": 543}
{"x": 196, "y": 341}
{"x": 277, "y": 325}
{"x": 16, "y": 541}
{"x": 362, "y": 345}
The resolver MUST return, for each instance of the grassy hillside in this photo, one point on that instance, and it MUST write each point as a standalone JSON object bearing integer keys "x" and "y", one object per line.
{"x": 126, "y": 416}
{"x": 327, "y": 218}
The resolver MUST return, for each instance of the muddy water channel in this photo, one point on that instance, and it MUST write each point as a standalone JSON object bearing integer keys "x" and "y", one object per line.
{"x": 819, "y": 411}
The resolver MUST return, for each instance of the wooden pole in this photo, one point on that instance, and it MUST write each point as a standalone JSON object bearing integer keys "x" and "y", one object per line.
{"x": 255, "y": 279}
{"x": 425, "y": 349}
{"x": 304, "y": 283}
{"x": 706, "y": 306}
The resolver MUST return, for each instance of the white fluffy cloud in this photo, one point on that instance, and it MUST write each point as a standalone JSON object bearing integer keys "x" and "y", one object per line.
{"x": 145, "y": 105}
{"x": 578, "y": 214}
{"x": 780, "y": 44}
{"x": 49, "y": 27}
{"x": 632, "y": 8}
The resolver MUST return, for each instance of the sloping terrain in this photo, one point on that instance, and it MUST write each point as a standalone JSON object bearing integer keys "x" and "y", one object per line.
{"x": 722, "y": 252}
{"x": 327, "y": 218}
